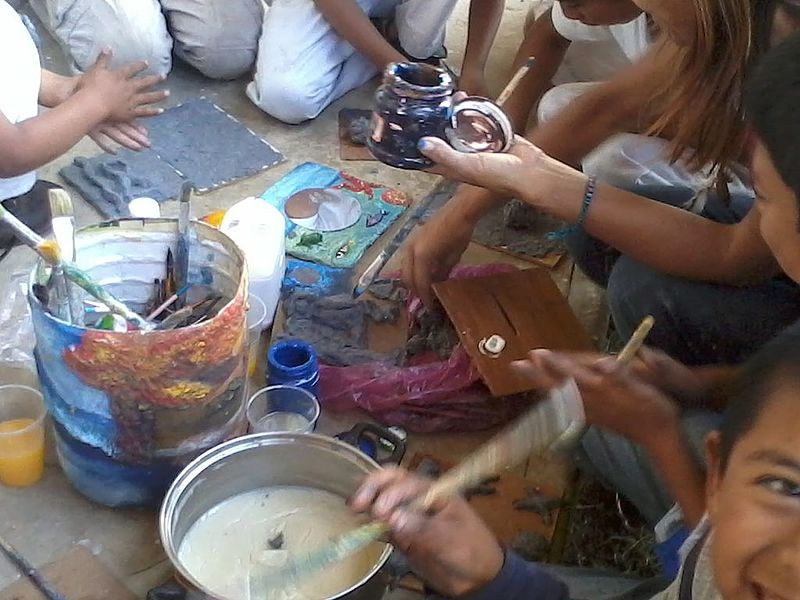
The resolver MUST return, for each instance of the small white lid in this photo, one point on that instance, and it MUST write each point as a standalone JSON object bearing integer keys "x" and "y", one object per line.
{"x": 144, "y": 208}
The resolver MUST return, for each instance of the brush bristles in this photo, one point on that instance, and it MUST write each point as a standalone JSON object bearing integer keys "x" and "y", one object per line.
{"x": 50, "y": 251}
{"x": 60, "y": 203}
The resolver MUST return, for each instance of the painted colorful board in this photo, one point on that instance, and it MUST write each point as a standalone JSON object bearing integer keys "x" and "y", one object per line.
{"x": 380, "y": 207}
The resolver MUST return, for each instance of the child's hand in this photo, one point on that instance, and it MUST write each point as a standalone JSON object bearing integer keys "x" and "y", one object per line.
{"x": 125, "y": 96}
{"x": 614, "y": 396}
{"x": 450, "y": 547}
{"x": 127, "y": 135}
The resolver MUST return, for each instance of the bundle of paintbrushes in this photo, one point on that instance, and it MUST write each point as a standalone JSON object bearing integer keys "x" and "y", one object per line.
{"x": 552, "y": 425}
{"x": 50, "y": 252}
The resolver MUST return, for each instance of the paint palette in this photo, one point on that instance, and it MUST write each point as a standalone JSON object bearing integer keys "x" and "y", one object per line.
{"x": 377, "y": 208}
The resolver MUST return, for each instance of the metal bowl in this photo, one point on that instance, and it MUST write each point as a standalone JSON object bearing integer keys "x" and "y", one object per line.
{"x": 257, "y": 461}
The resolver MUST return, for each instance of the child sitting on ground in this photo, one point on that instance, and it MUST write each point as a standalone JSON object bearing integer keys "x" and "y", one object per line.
{"x": 747, "y": 548}
{"x": 103, "y": 103}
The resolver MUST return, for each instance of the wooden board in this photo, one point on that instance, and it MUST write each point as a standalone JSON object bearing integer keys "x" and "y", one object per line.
{"x": 524, "y": 307}
{"x": 78, "y": 575}
{"x": 347, "y": 149}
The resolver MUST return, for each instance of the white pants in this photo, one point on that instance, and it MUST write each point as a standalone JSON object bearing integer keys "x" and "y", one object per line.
{"x": 303, "y": 64}
{"x": 628, "y": 159}
{"x": 218, "y": 37}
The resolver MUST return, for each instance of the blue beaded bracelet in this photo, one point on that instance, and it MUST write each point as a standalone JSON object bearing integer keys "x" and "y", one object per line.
{"x": 588, "y": 196}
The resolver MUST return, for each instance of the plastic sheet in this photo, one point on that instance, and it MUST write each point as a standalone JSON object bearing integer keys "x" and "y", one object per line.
{"x": 16, "y": 330}
{"x": 435, "y": 396}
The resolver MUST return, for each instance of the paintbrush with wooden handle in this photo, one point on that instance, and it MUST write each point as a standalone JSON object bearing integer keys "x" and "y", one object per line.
{"x": 51, "y": 254}
{"x": 63, "y": 221}
{"x": 551, "y": 425}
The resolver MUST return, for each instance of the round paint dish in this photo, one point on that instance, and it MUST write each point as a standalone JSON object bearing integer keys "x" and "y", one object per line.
{"x": 479, "y": 125}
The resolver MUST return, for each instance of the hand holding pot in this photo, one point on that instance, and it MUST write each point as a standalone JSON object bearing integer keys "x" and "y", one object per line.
{"x": 451, "y": 548}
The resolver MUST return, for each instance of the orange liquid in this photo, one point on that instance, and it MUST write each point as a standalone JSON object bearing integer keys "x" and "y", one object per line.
{"x": 21, "y": 455}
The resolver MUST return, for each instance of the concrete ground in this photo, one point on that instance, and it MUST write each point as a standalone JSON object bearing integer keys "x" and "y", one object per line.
{"x": 46, "y": 520}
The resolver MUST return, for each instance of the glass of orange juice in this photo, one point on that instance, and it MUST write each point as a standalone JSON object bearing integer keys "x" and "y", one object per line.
{"x": 22, "y": 415}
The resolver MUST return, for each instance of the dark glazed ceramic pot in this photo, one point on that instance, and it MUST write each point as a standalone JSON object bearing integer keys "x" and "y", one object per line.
{"x": 415, "y": 100}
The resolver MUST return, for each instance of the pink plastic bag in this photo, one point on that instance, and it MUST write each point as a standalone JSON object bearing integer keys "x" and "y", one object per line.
{"x": 426, "y": 398}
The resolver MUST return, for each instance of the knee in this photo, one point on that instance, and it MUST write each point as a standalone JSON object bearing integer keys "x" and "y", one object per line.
{"x": 218, "y": 63}
{"x": 557, "y": 99}
{"x": 221, "y": 43}
{"x": 133, "y": 34}
{"x": 635, "y": 291}
{"x": 282, "y": 96}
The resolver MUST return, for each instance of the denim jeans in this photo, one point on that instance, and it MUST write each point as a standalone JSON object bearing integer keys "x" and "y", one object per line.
{"x": 696, "y": 323}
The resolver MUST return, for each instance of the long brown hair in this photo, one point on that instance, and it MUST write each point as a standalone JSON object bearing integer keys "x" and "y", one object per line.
{"x": 700, "y": 87}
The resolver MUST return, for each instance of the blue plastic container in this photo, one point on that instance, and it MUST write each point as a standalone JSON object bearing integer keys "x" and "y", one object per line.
{"x": 293, "y": 362}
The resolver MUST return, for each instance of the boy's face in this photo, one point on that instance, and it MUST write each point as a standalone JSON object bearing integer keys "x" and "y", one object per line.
{"x": 754, "y": 506}
{"x": 600, "y": 12}
{"x": 778, "y": 212}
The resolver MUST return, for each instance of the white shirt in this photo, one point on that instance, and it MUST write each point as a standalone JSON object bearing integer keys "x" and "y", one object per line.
{"x": 20, "y": 78}
{"x": 633, "y": 37}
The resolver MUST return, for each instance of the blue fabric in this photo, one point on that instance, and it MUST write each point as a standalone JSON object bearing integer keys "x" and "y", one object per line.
{"x": 696, "y": 323}
{"x": 520, "y": 580}
{"x": 668, "y": 552}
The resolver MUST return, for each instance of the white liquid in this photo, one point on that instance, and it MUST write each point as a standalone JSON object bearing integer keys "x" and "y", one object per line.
{"x": 230, "y": 542}
{"x": 282, "y": 421}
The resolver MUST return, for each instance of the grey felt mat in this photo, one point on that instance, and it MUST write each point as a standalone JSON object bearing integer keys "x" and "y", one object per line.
{"x": 196, "y": 140}
{"x": 208, "y": 146}
{"x": 108, "y": 182}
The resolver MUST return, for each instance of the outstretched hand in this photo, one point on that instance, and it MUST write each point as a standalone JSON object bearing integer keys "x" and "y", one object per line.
{"x": 450, "y": 547}
{"x": 504, "y": 173}
{"x": 615, "y": 396}
{"x": 124, "y": 94}
{"x": 128, "y": 135}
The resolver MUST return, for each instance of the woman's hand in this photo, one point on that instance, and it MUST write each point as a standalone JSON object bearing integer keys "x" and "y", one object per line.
{"x": 505, "y": 173}
{"x": 450, "y": 547}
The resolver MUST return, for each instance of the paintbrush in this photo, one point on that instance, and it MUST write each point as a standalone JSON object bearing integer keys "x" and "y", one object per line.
{"x": 29, "y": 571}
{"x": 51, "y": 254}
{"x": 550, "y": 426}
{"x": 380, "y": 261}
{"x": 182, "y": 247}
{"x": 515, "y": 81}
{"x": 63, "y": 221}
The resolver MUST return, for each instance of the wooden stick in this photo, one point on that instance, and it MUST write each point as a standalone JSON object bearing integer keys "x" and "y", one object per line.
{"x": 515, "y": 81}
{"x": 29, "y": 571}
{"x": 634, "y": 344}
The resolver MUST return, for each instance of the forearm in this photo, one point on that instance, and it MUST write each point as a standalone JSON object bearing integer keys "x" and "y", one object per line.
{"x": 543, "y": 43}
{"x": 680, "y": 472}
{"x": 55, "y": 88}
{"x": 484, "y": 20}
{"x": 519, "y": 580}
{"x": 350, "y": 22}
{"x": 666, "y": 238}
{"x": 32, "y": 143}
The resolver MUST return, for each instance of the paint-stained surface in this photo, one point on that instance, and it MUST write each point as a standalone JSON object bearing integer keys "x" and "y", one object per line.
{"x": 345, "y": 247}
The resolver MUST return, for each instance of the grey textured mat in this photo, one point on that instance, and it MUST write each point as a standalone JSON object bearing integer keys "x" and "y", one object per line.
{"x": 208, "y": 146}
{"x": 196, "y": 140}
{"x": 108, "y": 182}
